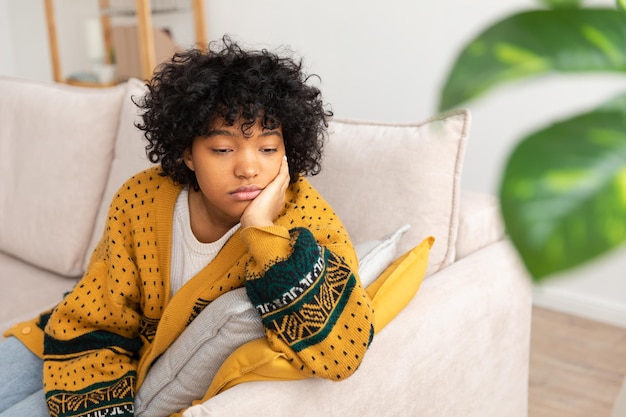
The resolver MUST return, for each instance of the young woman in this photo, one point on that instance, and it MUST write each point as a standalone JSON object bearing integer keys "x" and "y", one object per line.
{"x": 234, "y": 133}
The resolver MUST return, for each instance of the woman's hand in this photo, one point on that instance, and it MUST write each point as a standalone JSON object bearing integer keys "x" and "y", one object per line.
{"x": 265, "y": 207}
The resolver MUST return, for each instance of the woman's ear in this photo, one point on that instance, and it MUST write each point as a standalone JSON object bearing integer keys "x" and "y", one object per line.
{"x": 188, "y": 159}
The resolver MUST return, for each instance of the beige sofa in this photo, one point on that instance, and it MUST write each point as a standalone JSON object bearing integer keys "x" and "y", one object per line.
{"x": 459, "y": 348}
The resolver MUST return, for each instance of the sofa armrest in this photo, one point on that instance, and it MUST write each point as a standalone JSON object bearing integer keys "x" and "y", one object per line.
{"x": 459, "y": 348}
{"x": 480, "y": 223}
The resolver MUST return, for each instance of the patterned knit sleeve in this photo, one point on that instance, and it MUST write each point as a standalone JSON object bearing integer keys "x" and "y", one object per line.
{"x": 90, "y": 350}
{"x": 310, "y": 299}
{"x": 93, "y": 337}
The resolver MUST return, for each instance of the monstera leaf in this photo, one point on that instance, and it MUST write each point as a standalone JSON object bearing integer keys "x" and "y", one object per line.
{"x": 538, "y": 42}
{"x": 563, "y": 192}
{"x": 561, "y": 4}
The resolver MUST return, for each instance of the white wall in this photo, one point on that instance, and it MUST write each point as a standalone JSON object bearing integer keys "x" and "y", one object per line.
{"x": 27, "y": 55}
{"x": 6, "y": 41}
{"x": 378, "y": 61}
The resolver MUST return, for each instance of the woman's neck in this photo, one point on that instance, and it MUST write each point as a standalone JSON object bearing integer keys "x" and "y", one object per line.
{"x": 205, "y": 227}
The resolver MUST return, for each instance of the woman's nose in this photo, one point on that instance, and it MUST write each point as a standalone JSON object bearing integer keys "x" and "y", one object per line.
{"x": 247, "y": 165}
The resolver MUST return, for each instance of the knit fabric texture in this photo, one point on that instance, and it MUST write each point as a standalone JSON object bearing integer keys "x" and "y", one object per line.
{"x": 100, "y": 341}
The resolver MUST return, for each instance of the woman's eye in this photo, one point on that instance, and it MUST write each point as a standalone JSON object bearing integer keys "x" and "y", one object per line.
{"x": 269, "y": 150}
{"x": 220, "y": 150}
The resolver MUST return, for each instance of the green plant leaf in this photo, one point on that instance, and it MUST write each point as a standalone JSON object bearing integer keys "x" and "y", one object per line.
{"x": 563, "y": 193}
{"x": 537, "y": 42}
{"x": 561, "y": 4}
{"x": 621, "y": 5}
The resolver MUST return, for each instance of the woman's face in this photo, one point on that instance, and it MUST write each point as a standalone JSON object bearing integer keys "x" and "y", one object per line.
{"x": 232, "y": 167}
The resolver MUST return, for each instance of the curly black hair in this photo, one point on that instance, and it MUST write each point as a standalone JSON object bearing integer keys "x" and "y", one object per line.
{"x": 225, "y": 81}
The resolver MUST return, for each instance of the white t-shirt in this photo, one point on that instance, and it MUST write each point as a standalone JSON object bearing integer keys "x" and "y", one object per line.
{"x": 190, "y": 256}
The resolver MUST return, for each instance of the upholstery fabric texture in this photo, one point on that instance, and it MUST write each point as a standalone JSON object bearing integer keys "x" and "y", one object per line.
{"x": 52, "y": 188}
{"x": 38, "y": 290}
{"x": 480, "y": 223}
{"x": 402, "y": 173}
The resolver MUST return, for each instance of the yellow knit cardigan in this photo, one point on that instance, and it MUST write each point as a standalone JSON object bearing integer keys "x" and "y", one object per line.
{"x": 100, "y": 341}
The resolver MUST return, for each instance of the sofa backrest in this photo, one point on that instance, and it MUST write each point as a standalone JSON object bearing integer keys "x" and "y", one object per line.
{"x": 56, "y": 146}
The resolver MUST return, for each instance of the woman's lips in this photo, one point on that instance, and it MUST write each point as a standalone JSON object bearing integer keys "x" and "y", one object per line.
{"x": 246, "y": 193}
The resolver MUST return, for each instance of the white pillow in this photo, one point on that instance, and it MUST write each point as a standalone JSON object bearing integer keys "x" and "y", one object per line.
{"x": 185, "y": 371}
{"x": 379, "y": 176}
{"x": 376, "y": 255}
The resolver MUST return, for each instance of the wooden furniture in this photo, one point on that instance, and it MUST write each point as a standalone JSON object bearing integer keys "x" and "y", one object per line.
{"x": 145, "y": 37}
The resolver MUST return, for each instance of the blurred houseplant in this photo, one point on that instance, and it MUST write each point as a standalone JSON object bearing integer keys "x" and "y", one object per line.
{"x": 563, "y": 190}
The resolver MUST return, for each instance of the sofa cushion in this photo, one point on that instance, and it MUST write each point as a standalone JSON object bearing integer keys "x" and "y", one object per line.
{"x": 56, "y": 145}
{"x": 379, "y": 176}
{"x": 27, "y": 290}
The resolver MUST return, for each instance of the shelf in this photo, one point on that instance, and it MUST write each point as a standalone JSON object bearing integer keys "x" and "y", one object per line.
{"x": 78, "y": 83}
{"x": 143, "y": 10}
